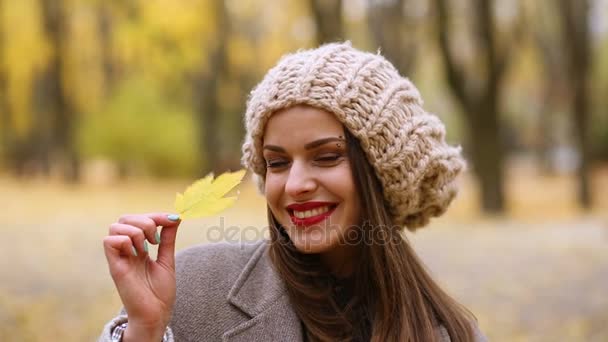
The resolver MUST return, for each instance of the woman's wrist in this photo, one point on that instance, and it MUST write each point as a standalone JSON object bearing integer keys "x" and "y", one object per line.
{"x": 134, "y": 333}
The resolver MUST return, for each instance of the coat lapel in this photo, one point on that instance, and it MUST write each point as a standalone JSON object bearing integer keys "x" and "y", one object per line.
{"x": 260, "y": 294}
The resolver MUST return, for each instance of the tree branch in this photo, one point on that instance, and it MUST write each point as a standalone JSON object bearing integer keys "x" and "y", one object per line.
{"x": 455, "y": 74}
{"x": 387, "y": 24}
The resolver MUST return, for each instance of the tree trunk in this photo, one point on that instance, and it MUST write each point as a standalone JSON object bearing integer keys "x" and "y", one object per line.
{"x": 575, "y": 23}
{"x": 553, "y": 83}
{"x": 328, "y": 20}
{"x": 63, "y": 123}
{"x": 104, "y": 25}
{"x": 581, "y": 119}
{"x": 546, "y": 40}
{"x": 479, "y": 105}
{"x": 21, "y": 148}
{"x": 392, "y": 33}
{"x": 545, "y": 139}
{"x": 487, "y": 154}
{"x": 206, "y": 86}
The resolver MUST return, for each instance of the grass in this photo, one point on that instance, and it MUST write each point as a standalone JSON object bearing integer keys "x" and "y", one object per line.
{"x": 538, "y": 273}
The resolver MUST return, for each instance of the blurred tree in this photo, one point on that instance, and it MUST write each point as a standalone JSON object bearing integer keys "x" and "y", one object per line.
{"x": 392, "y": 31}
{"x": 478, "y": 93}
{"x": 206, "y": 89}
{"x": 328, "y": 19}
{"x": 143, "y": 131}
{"x": 5, "y": 117}
{"x": 24, "y": 136}
{"x": 7, "y": 134}
{"x": 577, "y": 40}
{"x": 548, "y": 43}
{"x": 55, "y": 93}
{"x": 105, "y": 27}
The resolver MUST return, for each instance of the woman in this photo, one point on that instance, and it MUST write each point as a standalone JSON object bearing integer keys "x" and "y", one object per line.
{"x": 346, "y": 157}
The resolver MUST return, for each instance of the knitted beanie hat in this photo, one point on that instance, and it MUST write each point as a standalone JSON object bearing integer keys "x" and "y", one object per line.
{"x": 404, "y": 144}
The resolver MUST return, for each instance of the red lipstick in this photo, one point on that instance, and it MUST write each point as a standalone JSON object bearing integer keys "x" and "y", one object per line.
{"x": 309, "y": 206}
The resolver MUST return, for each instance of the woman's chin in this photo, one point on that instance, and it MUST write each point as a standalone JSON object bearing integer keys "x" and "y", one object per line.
{"x": 310, "y": 248}
{"x": 312, "y": 241}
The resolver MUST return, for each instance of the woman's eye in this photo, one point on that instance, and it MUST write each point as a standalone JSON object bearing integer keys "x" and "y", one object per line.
{"x": 328, "y": 158}
{"x": 276, "y": 163}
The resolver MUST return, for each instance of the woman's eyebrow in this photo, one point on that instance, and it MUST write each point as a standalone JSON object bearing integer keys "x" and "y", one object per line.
{"x": 323, "y": 141}
{"x": 274, "y": 148}
{"x": 308, "y": 146}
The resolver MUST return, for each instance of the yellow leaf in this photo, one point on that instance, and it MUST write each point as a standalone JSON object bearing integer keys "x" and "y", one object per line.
{"x": 205, "y": 196}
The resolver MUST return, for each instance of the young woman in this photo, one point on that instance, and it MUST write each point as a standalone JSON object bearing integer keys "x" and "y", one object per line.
{"x": 347, "y": 158}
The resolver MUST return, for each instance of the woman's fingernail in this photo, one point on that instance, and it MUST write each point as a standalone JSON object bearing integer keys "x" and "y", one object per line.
{"x": 173, "y": 217}
{"x": 157, "y": 236}
{"x": 134, "y": 251}
{"x": 146, "y": 246}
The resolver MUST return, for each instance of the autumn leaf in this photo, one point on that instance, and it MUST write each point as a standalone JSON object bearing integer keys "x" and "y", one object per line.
{"x": 205, "y": 196}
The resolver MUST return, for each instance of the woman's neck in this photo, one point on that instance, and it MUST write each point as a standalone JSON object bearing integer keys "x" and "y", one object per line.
{"x": 341, "y": 260}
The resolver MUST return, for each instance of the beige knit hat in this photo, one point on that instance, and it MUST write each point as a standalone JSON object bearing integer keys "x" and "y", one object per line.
{"x": 404, "y": 144}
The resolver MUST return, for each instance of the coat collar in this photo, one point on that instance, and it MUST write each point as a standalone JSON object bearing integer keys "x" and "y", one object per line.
{"x": 260, "y": 293}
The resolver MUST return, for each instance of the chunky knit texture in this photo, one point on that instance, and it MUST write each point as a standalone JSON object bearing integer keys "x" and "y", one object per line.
{"x": 383, "y": 110}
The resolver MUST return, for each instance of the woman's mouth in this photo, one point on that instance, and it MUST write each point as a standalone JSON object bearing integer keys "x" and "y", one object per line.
{"x": 307, "y": 217}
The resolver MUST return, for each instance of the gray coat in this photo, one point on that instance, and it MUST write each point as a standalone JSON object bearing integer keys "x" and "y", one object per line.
{"x": 230, "y": 292}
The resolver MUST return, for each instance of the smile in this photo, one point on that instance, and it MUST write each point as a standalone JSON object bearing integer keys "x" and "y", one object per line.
{"x": 310, "y": 213}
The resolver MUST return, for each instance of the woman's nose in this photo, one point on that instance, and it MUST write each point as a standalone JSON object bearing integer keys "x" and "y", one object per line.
{"x": 300, "y": 180}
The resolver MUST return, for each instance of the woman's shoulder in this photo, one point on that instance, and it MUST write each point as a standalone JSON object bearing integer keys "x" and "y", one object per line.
{"x": 209, "y": 280}
{"x": 216, "y": 260}
{"x": 228, "y": 253}
{"x": 224, "y": 248}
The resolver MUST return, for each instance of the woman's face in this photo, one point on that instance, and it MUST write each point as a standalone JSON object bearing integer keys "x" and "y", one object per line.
{"x": 309, "y": 183}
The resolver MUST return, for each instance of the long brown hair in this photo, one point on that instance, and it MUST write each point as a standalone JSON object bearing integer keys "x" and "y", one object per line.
{"x": 393, "y": 296}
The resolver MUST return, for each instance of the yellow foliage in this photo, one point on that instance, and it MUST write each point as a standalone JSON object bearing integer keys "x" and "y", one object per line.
{"x": 205, "y": 197}
{"x": 25, "y": 53}
{"x": 83, "y": 62}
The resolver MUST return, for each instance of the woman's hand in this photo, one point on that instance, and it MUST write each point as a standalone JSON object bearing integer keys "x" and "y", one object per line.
{"x": 146, "y": 287}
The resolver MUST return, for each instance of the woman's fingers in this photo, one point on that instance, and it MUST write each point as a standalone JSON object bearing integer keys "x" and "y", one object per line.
{"x": 145, "y": 223}
{"x": 117, "y": 247}
{"x": 135, "y": 233}
{"x": 164, "y": 219}
{"x": 140, "y": 228}
{"x": 166, "y": 250}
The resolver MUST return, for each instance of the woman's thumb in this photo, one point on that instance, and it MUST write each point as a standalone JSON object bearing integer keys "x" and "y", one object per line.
{"x": 166, "y": 249}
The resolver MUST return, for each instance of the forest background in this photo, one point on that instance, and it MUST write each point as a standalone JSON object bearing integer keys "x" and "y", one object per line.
{"x": 109, "y": 107}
